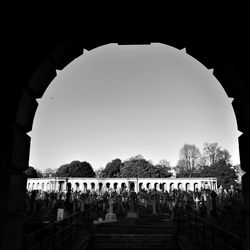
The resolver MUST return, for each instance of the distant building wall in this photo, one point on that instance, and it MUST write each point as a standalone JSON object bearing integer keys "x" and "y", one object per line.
{"x": 81, "y": 184}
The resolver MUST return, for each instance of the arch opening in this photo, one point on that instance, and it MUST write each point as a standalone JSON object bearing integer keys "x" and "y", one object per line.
{"x": 194, "y": 186}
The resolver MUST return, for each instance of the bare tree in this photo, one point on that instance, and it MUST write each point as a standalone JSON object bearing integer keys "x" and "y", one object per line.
{"x": 99, "y": 172}
{"x": 164, "y": 163}
{"x": 214, "y": 153}
{"x": 49, "y": 172}
{"x": 190, "y": 154}
{"x": 209, "y": 150}
{"x": 181, "y": 166}
{"x": 203, "y": 161}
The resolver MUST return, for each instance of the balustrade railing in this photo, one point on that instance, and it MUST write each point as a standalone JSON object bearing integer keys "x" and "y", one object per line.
{"x": 54, "y": 236}
{"x": 211, "y": 236}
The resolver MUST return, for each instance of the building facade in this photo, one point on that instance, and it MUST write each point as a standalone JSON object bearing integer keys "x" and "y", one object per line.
{"x": 136, "y": 184}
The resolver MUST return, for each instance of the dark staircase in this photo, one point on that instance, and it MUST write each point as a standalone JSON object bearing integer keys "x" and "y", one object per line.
{"x": 145, "y": 233}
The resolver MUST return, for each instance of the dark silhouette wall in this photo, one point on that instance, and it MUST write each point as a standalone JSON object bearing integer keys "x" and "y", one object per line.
{"x": 34, "y": 58}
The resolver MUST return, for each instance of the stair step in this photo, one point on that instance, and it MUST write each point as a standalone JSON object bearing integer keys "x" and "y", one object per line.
{"x": 130, "y": 235}
{"x": 135, "y": 235}
{"x": 133, "y": 241}
{"x": 174, "y": 247}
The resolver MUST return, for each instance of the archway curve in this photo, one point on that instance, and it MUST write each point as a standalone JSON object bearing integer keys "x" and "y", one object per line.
{"x": 63, "y": 54}
{"x": 66, "y": 52}
{"x": 206, "y": 53}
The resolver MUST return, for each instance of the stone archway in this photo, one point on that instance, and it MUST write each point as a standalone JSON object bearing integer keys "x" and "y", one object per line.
{"x": 229, "y": 70}
{"x": 100, "y": 186}
{"x": 179, "y": 186}
{"x": 187, "y": 186}
{"x": 107, "y": 185}
{"x": 77, "y": 186}
{"x": 92, "y": 186}
{"x": 115, "y": 186}
{"x": 123, "y": 186}
{"x": 148, "y": 185}
{"x": 85, "y": 186}
{"x": 196, "y": 187}
{"x": 131, "y": 186}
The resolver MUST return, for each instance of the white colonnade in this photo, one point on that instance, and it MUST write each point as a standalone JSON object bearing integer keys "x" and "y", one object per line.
{"x": 81, "y": 184}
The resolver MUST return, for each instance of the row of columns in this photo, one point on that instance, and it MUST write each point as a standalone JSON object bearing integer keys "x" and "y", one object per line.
{"x": 119, "y": 185}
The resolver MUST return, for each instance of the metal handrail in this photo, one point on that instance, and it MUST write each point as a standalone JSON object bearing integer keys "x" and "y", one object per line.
{"x": 218, "y": 227}
{"x": 198, "y": 224}
{"x": 55, "y": 230}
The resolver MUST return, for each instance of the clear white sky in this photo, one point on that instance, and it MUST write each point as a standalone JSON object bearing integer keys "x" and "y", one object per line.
{"x": 120, "y": 101}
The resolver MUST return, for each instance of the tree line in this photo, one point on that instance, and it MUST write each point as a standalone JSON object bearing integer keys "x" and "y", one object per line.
{"x": 213, "y": 161}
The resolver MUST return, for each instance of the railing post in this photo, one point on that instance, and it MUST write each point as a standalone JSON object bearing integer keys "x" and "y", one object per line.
{"x": 62, "y": 234}
{"x": 204, "y": 234}
{"x": 41, "y": 242}
{"x": 71, "y": 225}
{"x": 77, "y": 220}
{"x": 242, "y": 243}
{"x": 53, "y": 239}
{"x": 24, "y": 242}
{"x": 191, "y": 226}
{"x": 213, "y": 237}
{"x": 196, "y": 229}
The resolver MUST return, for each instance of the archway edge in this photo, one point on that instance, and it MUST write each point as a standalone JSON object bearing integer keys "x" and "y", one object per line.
{"x": 205, "y": 52}
{"x": 68, "y": 50}
{"x": 12, "y": 225}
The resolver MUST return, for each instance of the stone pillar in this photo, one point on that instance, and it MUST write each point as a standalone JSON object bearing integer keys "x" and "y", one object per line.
{"x": 246, "y": 204}
{"x": 14, "y": 160}
{"x": 244, "y": 146}
{"x": 137, "y": 186}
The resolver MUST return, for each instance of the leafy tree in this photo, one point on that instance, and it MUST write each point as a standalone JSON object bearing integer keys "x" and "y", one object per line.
{"x": 223, "y": 154}
{"x": 76, "y": 169}
{"x": 223, "y": 171}
{"x": 141, "y": 168}
{"x": 39, "y": 173}
{"x": 137, "y": 168}
{"x": 137, "y": 157}
{"x": 162, "y": 171}
{"x": 112, "y": 168}
{"x": 189, "y": 157}
{"x": 33, "y": 173}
